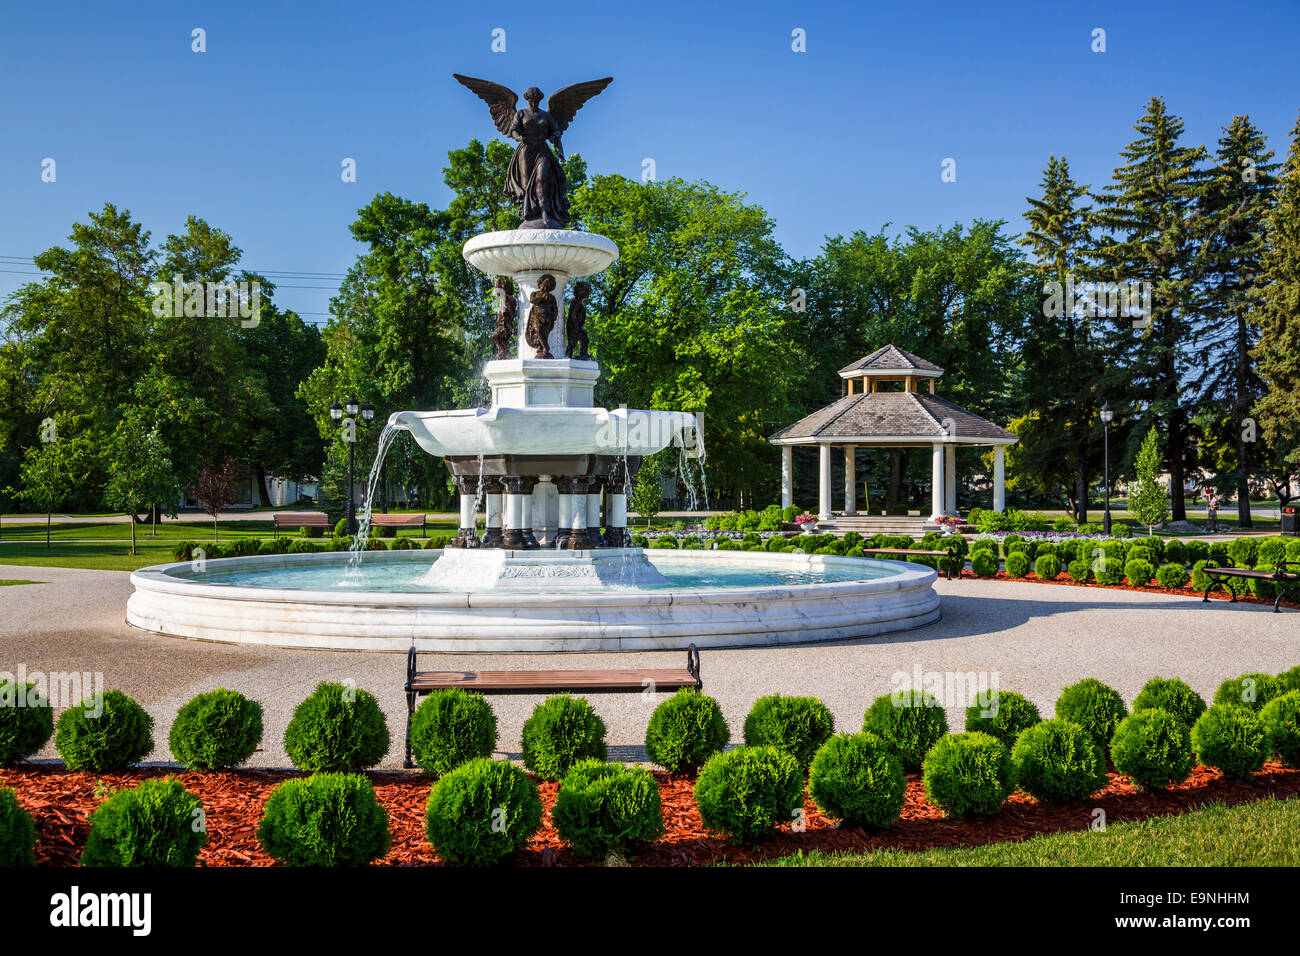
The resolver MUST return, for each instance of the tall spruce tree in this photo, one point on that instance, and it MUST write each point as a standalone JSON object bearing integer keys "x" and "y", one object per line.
{"x": 1149, "y": 236}
{"x": 1278, "y": 351}
{"x": 1237, "y": 198}
{"x": 1059, "y": 450}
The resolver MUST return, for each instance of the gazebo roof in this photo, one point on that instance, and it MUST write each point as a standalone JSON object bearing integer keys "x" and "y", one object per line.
{"x": 883, "y": 416}
{"x": 891, "y": 359}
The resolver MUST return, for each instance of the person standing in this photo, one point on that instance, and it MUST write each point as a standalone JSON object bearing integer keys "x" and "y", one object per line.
{"x": 1212, "y": 510}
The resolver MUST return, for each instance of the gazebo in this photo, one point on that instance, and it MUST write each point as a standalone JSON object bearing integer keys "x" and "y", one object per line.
{"x": 885, "y": 406}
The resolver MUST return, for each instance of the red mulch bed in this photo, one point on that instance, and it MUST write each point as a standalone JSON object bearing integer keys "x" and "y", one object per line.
{"x": 1186, "y": 591}
{"x": 61, "y": 801}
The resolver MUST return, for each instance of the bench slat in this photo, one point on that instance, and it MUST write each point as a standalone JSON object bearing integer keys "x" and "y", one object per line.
{"x": 610, "y": 680}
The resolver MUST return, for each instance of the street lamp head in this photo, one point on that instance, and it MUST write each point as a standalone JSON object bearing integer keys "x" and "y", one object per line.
{"x": 336, "y": 411}
{"x": 1107, "y": 413}
{"x": 352, "y": 406}
{"x": 367, "y": 412}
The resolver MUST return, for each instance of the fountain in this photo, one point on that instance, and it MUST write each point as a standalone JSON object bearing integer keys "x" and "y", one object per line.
{"x": 553, "y": 570}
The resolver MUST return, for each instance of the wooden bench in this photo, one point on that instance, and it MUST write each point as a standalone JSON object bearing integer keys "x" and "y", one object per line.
{"x": 301, "y": 519}
{"x": 398, "y": 521}
{"x": 953, "y": 555}
{"x": 546, "y": 682}
{"x": 1222, "y": 577}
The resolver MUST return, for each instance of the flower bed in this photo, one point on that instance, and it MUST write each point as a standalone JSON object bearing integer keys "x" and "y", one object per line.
{"x": 1186, "y": 590}
{"x": 61, "y": 800}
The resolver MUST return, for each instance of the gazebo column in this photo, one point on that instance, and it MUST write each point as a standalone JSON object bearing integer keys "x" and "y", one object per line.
{"x": 999, "y": 478}
{"x": 824, "y": 484}
{"x": 936, "y": 480}
{"x": 787, "y": 476}
{"x": 850, "y": 480}
{"x": 950, "y": 480}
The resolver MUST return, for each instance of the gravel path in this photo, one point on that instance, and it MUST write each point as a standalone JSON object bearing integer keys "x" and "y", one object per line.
{"x": 1031, "y": 638}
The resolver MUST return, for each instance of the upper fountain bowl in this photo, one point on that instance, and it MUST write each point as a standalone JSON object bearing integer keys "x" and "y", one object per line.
{"x": 565, "y": 251}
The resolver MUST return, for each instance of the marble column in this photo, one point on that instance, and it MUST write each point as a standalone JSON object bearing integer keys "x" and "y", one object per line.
{"x": 578, "y": 538}
{"x": 492, "y": 492}
{"x": 824, "y": 483}
{"x": 593, "y": 513}
{"x": 540, "y": 509}
{"x": 467, "y": 537}
{"x": 850, "y": 480}
{"x": 950, "y": 480}
{"x": 616, "y": 535}
{"x": 526, "y": 486}
{"x": 936, "y": 481}
{"x": 787, "y": 476}
{"x": 513, "y": 537}
{"x": 564, "y": 527}
{"x": 999, "y": 477}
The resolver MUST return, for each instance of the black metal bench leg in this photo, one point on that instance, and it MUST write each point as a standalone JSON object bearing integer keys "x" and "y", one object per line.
{"x": 410, "y": 712}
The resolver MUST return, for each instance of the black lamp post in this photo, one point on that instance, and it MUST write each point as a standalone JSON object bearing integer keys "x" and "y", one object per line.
{"x": 367, "y": 415}
{"x": 1107, "y": 415}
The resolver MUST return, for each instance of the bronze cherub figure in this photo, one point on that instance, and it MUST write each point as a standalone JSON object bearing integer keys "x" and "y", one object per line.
{"x": 542, "y": 316}
{"x": 576, "y": 327}
{"x": 507, "y": 307}
{"x": 536, "y": 182}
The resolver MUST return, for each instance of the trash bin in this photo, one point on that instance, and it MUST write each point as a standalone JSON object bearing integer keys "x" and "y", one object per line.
{"x": 1290, "y": 520}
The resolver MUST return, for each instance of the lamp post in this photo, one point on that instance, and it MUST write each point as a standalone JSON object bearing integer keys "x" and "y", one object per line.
{"x": 349, "y": 425}
{"x": 1107, "y": 415}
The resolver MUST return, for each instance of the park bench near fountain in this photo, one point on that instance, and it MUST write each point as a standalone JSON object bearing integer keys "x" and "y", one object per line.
{"x": 1223, "y": 577}
{"x": 615, "y": 681}
{"x": 300, "y": 519}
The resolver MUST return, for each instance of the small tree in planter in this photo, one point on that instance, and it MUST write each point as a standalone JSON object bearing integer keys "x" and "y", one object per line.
{"x": 1148, "y": 500}
{"x": 215, "y": 488}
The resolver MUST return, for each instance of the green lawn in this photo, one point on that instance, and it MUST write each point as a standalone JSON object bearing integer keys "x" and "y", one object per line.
{"x": 33, "y": 530}
{"x": 7, "y": 582}
{"x": 1263, "y": 833}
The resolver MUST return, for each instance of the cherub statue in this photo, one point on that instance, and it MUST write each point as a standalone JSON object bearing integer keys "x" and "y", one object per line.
{"x": 504, "y": 333}
{"x": 576, "y": 328}
{"x": 542, "y": 316}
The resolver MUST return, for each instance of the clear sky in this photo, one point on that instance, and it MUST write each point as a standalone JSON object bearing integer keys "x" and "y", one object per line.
{"x": 850, "y": 134}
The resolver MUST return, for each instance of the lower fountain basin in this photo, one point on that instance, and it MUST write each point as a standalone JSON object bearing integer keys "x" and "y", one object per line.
{"x": 708, "y": 598}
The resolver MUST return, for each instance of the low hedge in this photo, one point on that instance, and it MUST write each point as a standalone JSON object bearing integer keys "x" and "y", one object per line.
{"x": 797, "y": 725}
{"x": 1057, "y": 761}
{"x": 1096, "y": 708}
{"x": 1232, "y": 739}
{"x": 685, "y": 731}
{"x": 26, "y": 721}
{"x": 158, "y": 823}
{"x": 561, "y": 731}
{"x": 103, "y": 733}
{"x": 744, "y": 793}
{"x": 909, "y": 722}
{"x": 481, "y": 812}
{"x": 338, "y": 729}
{"x": 327, "y": 819}
{"x": 216, "y": 730}
{"x": 968, "y": 774}
{"x": 1153, "y": 748}
{"x": 858, "y": 779}
{"x": 604, "y": 808}
{"x": 450, "y": 727}
{"x": 1005, "y": 717}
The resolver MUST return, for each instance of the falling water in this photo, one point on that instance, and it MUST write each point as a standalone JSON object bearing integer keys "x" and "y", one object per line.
{"x": 362, "y": 536}
{"x": 697, "y": 488}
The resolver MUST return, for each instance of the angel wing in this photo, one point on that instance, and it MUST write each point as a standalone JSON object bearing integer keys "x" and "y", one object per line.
{"x": 501, "y": 100}
{"x": 564, "y": 104}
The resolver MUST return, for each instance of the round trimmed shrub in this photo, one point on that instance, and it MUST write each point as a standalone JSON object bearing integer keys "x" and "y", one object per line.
{"x": 1175, "y": 552}
{"x": 1232, "y": 739}
{"x": 983, "y": 544}
{"x": 909, "y": 722}
{"x": 107, "y": 732}
{"x": 1047, "y": 567}
{"x": 450, "y": 727}
{"x": 604, "y": 808}
{"x": 1139, "y": 572}
{"x": 26, "y": 722}
{"x": 481, "y": 812}
{"x": 1080, "y": 570}
{"x": 1108, "y": 570}
{"x": 1200, "y": 580}
{"x": 1057, "y": 761}
{"x": 327, "y": 819}
{"x": 685, "y": 731}
{"x": 1153, "y": 748}
{"x": 17, "y": 832}
{"x": 1172, "y": 695}
{"x": 1281, "y": 719}
{"x": 1251, "y": 691}
{"x": 1096, "y": 708}
{"x": 968, "y": 774}
{"x": 798, "y": 725}
{"x": 216, "y": 730}
{"x": 338, "y": 729}
{"x": 1194, "y": 551}
{"x": 744, "y": 793}
{"x": 562, "y": 730}
{"x": 1172, "y": 577}
{"x": 1017, "y": 564}
{"x": 1005, "y": 718}
{"x": 984, "y": 563}
{"x": 1289, "y": 680}
{"x": 858, "y": 779}
{"x": 1243, "y": 551}
{"x": 158, "y": 823}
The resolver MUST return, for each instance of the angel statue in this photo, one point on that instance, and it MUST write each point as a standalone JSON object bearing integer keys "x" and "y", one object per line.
{"x": 542, "y": 316}
{"x": 504, "y": 332}
{"x": 535, "y": 182}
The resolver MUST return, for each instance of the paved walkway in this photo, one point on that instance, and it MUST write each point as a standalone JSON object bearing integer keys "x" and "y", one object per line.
{"x": 1036, "y": 638}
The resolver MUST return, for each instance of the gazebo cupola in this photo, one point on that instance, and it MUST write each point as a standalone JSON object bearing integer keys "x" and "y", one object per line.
{"x": 889, "y": 401}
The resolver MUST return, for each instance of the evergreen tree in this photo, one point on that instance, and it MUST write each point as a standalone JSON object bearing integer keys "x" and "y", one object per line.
{"x": 1236, "y": 200}
{"x": 1149, "y": 239}
{"x": 1278, "y": 351}
{"x": 1147, "y": 499}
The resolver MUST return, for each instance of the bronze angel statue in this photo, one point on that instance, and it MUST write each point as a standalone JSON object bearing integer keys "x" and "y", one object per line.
{"x": 535, "y": 182}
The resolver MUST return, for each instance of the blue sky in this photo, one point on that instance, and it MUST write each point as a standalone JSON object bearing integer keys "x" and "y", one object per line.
{"x": 850, "y": 134}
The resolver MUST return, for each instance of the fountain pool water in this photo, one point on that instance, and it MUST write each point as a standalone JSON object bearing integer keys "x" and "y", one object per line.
{"x": 548, "y": 473}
